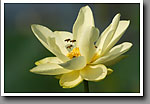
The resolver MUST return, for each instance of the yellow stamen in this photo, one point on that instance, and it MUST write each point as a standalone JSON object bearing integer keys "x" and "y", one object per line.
{"x": 74, "y": 53}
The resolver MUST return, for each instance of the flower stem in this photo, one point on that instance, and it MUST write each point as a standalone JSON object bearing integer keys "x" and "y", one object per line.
{"x": 86, "y": 86}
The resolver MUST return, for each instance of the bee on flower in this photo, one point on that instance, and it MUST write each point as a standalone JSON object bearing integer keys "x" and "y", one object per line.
{"x": 84, "y": 54}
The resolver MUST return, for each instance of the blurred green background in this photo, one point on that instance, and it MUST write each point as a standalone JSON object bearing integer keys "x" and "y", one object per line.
{"x": 22, "y": 48}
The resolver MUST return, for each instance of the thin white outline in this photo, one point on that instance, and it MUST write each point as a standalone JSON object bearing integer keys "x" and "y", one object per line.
{"x": 72, "y": 94}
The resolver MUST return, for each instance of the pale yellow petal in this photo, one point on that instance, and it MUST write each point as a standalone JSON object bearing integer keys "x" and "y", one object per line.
{"x": 109, "y": 71}
{"x": 84, "y": 20}
{"x": 42, "y": 33}
{"x": 49, "y": 69}
{"x": 114, "y": 53}
{"x": 70, "y": 80}
{"x": 94, "y": 73}
{"x": 86, "y": 43}
{"x": 115, "y": 21}
{"x": 56, "y": 50}
{"x": 60, "y": 37}
{"x": 76, "y": 63}
{"x": 101, "y": 39}
{"x": 122, "y": 26}
{"x": 115, "y": 60}
{"x": 48, "y": 60}
{"x": 108, "y": 34}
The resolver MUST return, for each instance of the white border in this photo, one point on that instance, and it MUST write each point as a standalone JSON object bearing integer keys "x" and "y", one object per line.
{"x": 71, "y": 1}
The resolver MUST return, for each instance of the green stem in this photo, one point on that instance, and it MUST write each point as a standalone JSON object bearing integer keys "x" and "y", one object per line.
{"x": 86, "y": 86}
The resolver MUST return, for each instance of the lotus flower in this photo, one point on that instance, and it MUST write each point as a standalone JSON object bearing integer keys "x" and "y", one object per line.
{"x": 82, "y": 54}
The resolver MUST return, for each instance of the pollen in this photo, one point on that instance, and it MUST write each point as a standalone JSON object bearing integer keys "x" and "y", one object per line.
{"x": 74, "y": 53}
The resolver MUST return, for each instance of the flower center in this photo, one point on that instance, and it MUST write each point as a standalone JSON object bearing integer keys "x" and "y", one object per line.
{"x": 74, "y": 53}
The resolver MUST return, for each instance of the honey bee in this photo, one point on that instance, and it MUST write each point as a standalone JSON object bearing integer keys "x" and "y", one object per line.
{"x": 72, "y": 41}
{"x": 95, "y": 46}
{"x": 67, "y": 40}
{"x": 69, "y": 46}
